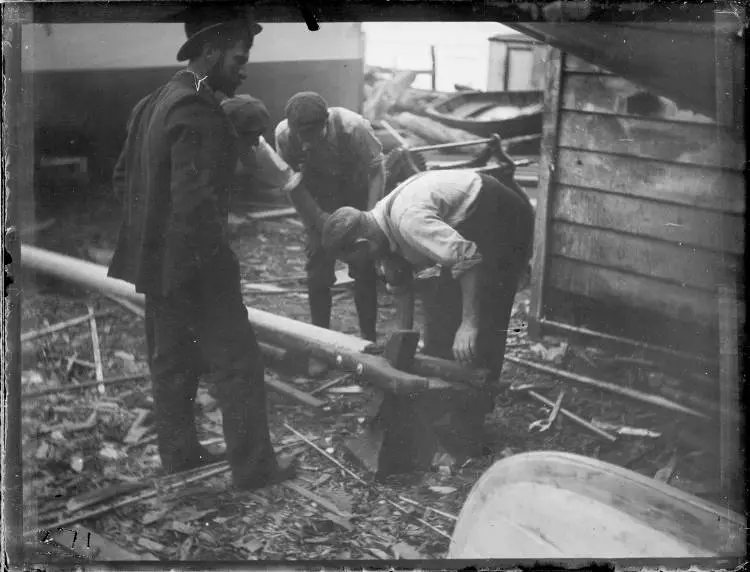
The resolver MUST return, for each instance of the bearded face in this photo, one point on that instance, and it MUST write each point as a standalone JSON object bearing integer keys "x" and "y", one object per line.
{"x": 228, "y": 72}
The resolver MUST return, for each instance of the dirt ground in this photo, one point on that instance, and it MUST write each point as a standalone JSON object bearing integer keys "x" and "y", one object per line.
{"x": 75, "y": 440}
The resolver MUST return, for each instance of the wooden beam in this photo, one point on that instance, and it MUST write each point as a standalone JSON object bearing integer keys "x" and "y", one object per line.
{"x": 335, "y": 348}
{"x": 618, "y": 341}
{"x": 547, "y": 164}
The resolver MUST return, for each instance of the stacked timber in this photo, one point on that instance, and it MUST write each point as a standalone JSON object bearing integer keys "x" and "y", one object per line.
{"x": 389, "y": 97}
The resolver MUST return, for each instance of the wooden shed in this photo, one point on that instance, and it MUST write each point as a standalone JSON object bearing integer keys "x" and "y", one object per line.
{"x": 640, "y": 215}
{"x": 514, "y": 63}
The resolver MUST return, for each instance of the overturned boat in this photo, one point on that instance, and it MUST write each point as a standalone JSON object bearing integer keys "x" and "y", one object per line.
{"x": 507, "y": 113}
{"x": 549, "y": 505}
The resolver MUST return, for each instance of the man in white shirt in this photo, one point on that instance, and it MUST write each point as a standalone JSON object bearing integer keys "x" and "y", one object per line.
{"x": 477, "y": 229}
{"x": 479, "y": 232}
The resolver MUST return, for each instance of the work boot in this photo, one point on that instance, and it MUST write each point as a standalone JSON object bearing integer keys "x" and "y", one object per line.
{"x": 285, "y": 469}
{"x": 174, "y": 416}
{"x": 200, "y": 458}
{"x": 320, "y": 301}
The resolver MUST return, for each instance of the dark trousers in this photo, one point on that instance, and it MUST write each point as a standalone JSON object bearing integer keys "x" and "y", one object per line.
{"x": 501, "y": 223}
{"x": 201, "y": 328}
{"x": 321, "y": 276}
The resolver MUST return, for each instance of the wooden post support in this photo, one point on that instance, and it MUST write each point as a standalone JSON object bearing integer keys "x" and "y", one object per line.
{"x": 547, "y": 165}
{"x": 433, "y": 59}
{"x": 17, "y": 176}
{"x": 729, "y": 58}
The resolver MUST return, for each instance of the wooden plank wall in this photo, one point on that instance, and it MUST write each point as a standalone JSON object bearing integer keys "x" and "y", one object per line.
{"x": 646, "y": 204}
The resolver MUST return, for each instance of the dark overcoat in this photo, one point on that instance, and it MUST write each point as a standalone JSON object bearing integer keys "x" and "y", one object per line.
{"x": 173, "y": 177}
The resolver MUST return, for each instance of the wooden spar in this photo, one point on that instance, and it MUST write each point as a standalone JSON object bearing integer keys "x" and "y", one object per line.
{"x": 625, "y": 391}
{"x": 458, "y": 145}
{"x": 667, "y": 352}
{"x": 96, "y": 347}
{"x": 573, "y": 417}
{"x": 429, "y": 366}
{"x": 335, "y": 348}
{"x": 28, "y": 336}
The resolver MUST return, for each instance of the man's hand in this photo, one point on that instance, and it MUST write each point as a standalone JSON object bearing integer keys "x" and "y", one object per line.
{"x": 465, "y": 343}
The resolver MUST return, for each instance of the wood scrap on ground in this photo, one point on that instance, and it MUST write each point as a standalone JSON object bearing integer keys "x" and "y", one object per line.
{"x": 88, "y": 385}
{"x": 272, "y": 213}
{"x": 28, "y": 336}
{"x": 362, "y": 481}
{"x": 137, "y": 429}
{"x": 572, "y": 416}
{"x": 625, "y": 391}
{"x": 96, "y": 349}
{"x": 331, "y": 383}
{"x": 129, "y": 306}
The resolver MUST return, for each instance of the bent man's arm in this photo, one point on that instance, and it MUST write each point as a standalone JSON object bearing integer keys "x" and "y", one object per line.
{"x": 196, "y": 227}
{"x": 369, "y": 151}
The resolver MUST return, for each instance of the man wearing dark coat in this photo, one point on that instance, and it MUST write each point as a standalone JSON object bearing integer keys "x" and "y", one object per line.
{"x": 173, "y": 176}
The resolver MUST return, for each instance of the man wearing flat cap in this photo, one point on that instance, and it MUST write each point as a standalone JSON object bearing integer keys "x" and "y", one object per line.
{"x": 250, "y": 118}
{"x": 341, "y": 161}
{"x": 173, "y": 177}
{"x": 477, "y": 230}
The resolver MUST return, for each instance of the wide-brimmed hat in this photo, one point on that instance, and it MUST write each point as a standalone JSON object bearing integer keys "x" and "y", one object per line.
{"x": 204, "y": 22}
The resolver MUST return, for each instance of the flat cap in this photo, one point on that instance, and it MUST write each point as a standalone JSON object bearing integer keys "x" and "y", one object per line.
{"x": 248, "y": 114}
{"x": 340, "y": 228}
{"x": 306, "y": 108}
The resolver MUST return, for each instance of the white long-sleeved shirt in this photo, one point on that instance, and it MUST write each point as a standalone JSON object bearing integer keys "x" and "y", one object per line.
{"x": 420, "y": 216}
{"x": 272, "y": 170}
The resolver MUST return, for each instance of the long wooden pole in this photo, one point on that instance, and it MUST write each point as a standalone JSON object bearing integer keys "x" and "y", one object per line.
{"x": 335, "y": 348}
{"x": 28, "y": 336}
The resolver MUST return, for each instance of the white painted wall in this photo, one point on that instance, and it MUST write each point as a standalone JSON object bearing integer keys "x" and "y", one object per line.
{"x": 127, "y": 46}
{"x": 462, "y": 49}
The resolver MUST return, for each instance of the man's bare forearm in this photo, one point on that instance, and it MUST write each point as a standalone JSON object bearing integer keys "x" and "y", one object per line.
{"x": 309, "y": 211}
{"x": 470, "y": 295}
